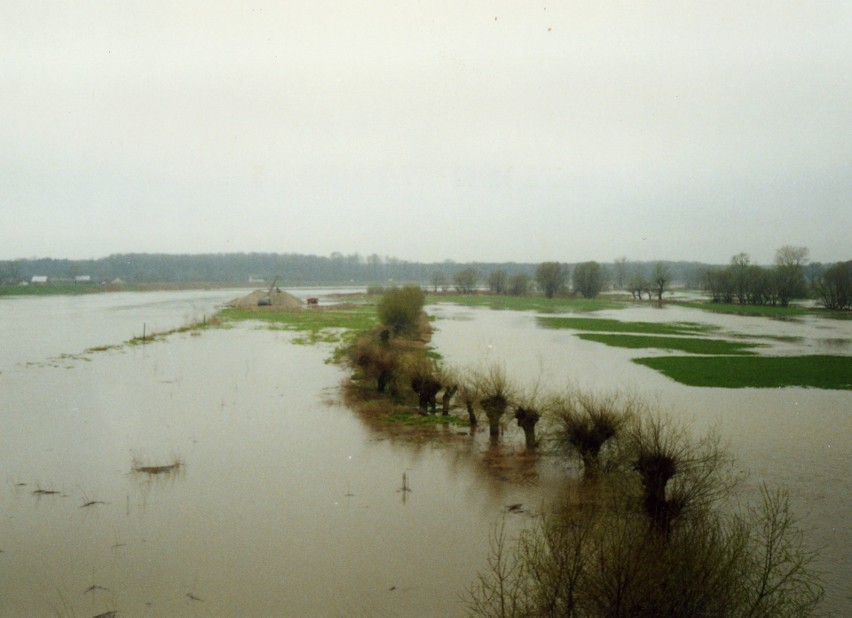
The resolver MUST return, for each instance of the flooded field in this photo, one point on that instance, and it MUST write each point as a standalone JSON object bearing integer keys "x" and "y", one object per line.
{"x": 219, "y": 475}
{"x": 283, "y": 502}
{"x": 793, "y": 437}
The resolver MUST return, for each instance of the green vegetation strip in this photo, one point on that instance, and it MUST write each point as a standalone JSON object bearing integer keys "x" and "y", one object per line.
{"x": 826, "y": 372}
{"x": 766, "y": 311}
{"x": 617, "y": 326}
{"x": 529, "y": 303}
{"x": 418, "y": 420}
{"x": 692, "y": 345}
{"x": 317, "y": 324}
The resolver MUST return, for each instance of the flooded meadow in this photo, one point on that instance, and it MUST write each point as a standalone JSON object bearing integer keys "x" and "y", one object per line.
{"x": 217, "y": 472}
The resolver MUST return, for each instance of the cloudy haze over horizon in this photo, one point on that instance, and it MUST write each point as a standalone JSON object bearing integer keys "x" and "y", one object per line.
{"x": 472, "y": 131}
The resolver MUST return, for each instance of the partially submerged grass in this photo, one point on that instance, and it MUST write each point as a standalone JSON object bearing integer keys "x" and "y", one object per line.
{"x": 416, "y": 420}
{"x": 193, "y": 328}
{"x": 329, "y": 324}
{"x": 617, "y": 326}
{"x": 766, "y": 311}
{"x": 692, "y": 345}
{"x": 540, "y": 304}
{"x": 825, "y": 372}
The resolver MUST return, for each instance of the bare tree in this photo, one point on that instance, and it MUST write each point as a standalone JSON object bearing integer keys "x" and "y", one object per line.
{"x": 661, "y": 278}
{"x": 466, "y": 280}
{"x": 620, "y": 273}
{"x": 497, "y": 281}
{"x": 790, "y": 273}
{"x": 439, "y": 280}
{"x": 519, "y": 284}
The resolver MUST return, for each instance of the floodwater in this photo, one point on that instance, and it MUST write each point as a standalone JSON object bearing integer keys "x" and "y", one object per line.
{"x": 285, "y": 502}
{"x": 796, "y": 438}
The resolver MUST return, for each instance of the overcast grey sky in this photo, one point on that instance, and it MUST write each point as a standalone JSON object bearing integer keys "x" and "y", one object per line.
{"x": 473, "y": 131}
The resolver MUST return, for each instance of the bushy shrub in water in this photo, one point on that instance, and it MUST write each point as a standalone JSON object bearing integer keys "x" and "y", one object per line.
{"x": 399, "y": 309}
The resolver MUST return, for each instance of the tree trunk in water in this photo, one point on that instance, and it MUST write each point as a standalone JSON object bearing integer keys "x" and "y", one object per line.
{"x": 471, "y": 415}
{"x": 446, "y": 398}
{"x": 382, "y": 381}
{"x": 494, "y": 407}
{"x": 527, "y": 420}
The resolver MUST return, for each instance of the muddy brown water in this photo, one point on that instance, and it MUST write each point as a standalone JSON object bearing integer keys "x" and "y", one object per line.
{"x": 285, "y": 502}
{"x": 796, "y": 438}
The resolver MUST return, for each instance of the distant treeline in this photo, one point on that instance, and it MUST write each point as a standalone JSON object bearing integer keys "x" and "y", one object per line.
{"x": 291, "y": 269}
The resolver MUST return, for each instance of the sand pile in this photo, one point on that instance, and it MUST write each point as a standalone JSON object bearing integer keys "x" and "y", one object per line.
{"x": 278, "y": 300}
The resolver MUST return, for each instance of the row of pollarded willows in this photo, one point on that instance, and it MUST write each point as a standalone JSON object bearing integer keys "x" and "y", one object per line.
{"x": 653, "y": 530}
{"x": 392, "y": 369}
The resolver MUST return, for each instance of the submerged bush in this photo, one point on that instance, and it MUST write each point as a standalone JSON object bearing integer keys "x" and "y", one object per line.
{"x": 605, "y": 555}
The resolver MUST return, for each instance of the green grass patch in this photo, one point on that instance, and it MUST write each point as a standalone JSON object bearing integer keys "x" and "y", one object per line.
{"x": 766, "y": 311}
{"x": 617, "y": 326}
{"x": 692, "y": 345}
{"x": 330, "y": 325}
{"x": 419, "y": 420}
{"x": 825, "y": 372}
{"x": 529, "y": 303}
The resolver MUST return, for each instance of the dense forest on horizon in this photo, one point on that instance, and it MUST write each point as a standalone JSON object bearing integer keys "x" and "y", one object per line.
{"x": 290, "y": 268}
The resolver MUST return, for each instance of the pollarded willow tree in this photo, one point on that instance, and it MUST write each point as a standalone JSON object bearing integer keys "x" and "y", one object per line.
{"x": 585, "y": 422}
{"x": 495, "y": 393}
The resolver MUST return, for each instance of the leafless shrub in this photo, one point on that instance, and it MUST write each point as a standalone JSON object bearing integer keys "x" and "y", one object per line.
{"x": 601, "y": 559}
{"x": 679, "y": 474}
{"x": 585, "y": 422}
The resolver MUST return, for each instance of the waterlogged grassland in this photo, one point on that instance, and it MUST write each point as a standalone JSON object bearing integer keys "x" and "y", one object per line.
{"x": 691, "y": 345}
{"x": 723, "y": 363}
{"x": 330, "y": 325}
{"x": 825, "y": 372}
{"x": 529, "y": 303}
{"x": 410, "y": 419}
{"x": 766, "y": 311}
{"x": 617, "y": 326}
